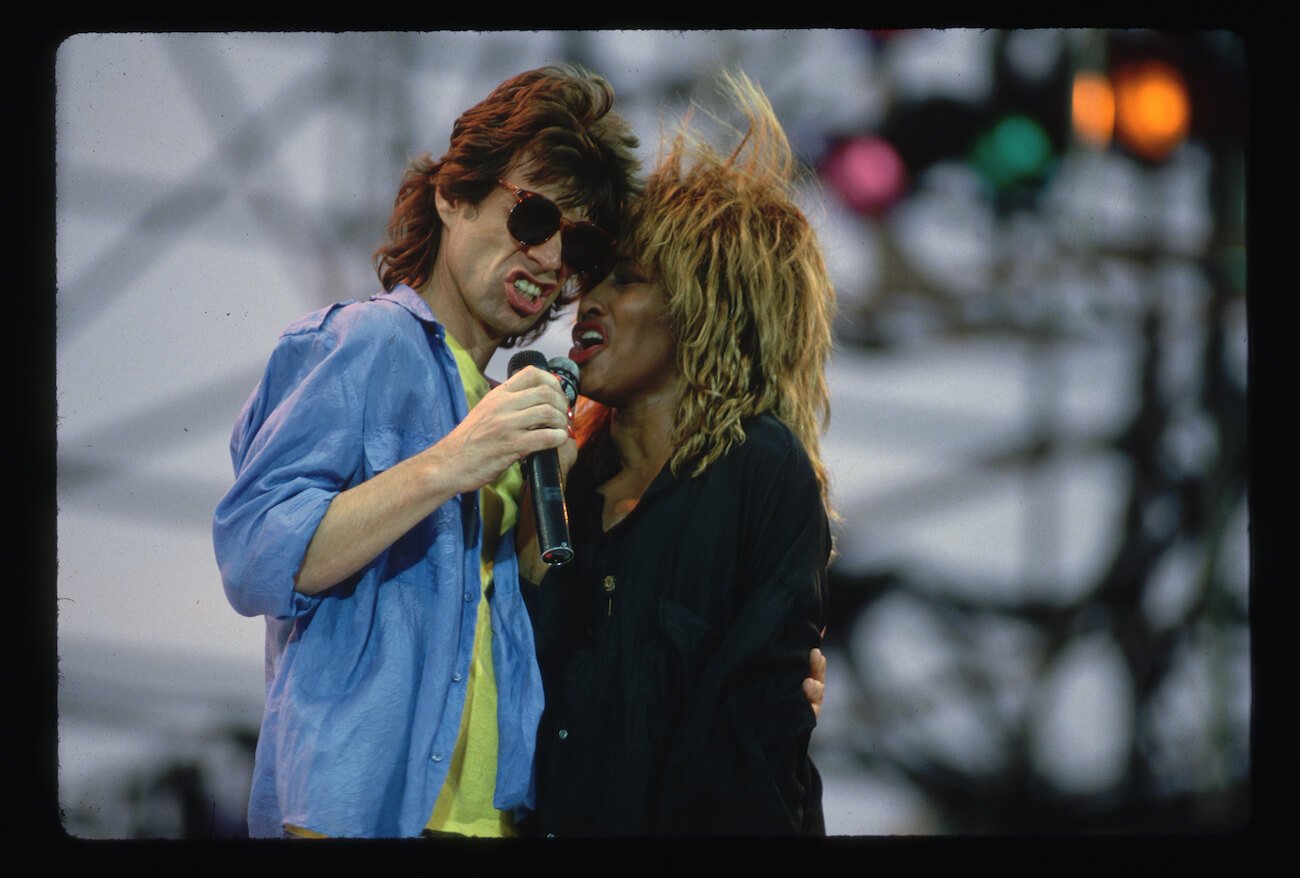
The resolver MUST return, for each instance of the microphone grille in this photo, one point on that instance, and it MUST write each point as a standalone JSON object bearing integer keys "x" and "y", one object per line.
{"x": 565, "y": 365}
{"x": 526, "y": 358}
{"x": 567, "y": 371}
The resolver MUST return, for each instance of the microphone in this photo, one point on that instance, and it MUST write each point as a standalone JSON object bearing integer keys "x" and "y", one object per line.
{"x": 567, "y": 371}
{"x": 542, "y": 472}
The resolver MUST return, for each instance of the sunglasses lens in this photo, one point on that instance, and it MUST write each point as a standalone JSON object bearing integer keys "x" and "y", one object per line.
{"x": 534, "y": 219}
{"x": 587, "y": 249}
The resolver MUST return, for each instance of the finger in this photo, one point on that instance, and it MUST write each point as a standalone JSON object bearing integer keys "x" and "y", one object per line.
{"x": 531, "y": 376}
{"x": 817, "y": 665}
{"x": 815, "y": 693}
{"x": 542, "y": 439}
{"x": 538, "y": 395}
{"x": 539, "y": 415}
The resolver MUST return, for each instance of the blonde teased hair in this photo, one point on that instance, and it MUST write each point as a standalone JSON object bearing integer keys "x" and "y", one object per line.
{"x": 749, "y": 297}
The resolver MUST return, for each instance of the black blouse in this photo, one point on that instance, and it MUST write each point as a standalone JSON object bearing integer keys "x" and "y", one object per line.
{"x": 673, "y": 649}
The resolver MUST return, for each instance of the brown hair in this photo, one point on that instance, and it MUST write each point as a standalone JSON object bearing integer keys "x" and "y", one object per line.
{"x": 561, "y": 120}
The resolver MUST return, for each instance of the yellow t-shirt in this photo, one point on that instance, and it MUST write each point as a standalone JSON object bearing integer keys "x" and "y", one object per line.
{"x": 465, "y": 806}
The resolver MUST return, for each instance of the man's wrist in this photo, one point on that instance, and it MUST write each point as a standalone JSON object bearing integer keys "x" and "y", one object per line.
{"x": 436, "y": 475}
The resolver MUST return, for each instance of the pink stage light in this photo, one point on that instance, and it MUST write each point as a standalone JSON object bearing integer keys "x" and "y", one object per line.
{"x": 867, "y": 173}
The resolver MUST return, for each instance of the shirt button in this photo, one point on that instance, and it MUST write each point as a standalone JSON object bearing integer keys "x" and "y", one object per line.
{"x": 550, "y": 835}
{"x": 563, "y": 733}
{"x": 437, "y": 757}
{"x": 469, "y": 596}
{"x": 609, "y": 583}
{"x": 455, "y": 678}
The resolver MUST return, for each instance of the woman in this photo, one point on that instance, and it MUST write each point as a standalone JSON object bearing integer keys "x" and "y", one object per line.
{"x": 673, "y": 646}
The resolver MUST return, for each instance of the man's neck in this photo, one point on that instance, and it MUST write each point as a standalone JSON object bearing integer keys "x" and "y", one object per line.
{"x": 449, "y": 309}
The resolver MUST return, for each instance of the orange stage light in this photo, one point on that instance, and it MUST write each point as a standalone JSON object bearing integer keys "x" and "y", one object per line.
{"x": 1093, "y": 108}
{"x": 1152, "y": 109}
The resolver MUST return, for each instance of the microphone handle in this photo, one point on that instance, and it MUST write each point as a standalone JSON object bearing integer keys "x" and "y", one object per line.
{"x": 542, "y": 471}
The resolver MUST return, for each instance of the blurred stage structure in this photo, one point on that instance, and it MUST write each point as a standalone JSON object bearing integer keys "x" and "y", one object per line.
{"x": 1040, "y": 605}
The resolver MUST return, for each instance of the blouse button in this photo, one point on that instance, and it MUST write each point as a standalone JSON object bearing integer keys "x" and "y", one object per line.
{"x": 609, "y": 583}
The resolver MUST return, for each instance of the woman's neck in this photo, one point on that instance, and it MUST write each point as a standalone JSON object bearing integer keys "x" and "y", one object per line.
{"x": 642, "y": 436}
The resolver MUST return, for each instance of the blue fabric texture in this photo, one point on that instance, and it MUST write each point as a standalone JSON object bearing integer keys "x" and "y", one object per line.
{"x": 366, "y": 681}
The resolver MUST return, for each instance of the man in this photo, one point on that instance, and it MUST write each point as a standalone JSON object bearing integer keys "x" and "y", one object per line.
{"x": 376, "y": 485}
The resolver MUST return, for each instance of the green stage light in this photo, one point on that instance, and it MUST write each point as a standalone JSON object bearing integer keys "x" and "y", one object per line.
{"x": 1016, "y": 149}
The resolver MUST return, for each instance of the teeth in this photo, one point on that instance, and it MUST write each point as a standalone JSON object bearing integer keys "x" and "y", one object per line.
{"x": 590, "y": 337}
{"x": 529, "y": 289}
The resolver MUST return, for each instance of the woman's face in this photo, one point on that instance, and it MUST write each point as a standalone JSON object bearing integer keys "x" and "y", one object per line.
{"x": 622, "y": 341}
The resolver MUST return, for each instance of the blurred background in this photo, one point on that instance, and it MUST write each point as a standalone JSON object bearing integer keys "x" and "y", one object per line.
{"x": 1040, "y": 616}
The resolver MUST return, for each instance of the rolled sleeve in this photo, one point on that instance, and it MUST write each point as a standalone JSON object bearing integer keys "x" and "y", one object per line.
{"x": 296, "y": 445}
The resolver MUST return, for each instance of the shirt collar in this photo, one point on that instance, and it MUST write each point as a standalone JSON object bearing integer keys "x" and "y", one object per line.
{"x": 661, "y": 482}
{"x": 411, "y": 301}
{"x": 658, "y": 485}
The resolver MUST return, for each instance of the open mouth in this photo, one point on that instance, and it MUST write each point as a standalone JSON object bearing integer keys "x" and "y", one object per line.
{"x": 526, "y": 295}
{"x": 587, "y": 340}
{"x": 528, "y": 289}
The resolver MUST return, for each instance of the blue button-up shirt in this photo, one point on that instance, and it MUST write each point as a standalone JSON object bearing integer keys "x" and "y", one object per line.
{"x": 366, "y": 681}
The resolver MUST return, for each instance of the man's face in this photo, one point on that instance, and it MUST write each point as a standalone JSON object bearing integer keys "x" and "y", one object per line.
{"x": 499, "y": 287}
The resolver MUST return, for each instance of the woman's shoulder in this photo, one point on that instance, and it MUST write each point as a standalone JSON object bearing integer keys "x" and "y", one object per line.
{"x": 770, "y": 456}
{"x": 768, "y": 431}
{"x": 769, "y": 442}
